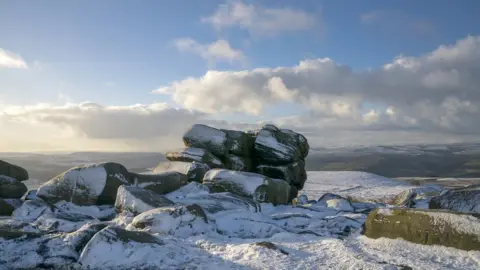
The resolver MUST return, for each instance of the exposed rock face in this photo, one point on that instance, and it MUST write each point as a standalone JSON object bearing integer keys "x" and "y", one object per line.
{"x": 466, "y": 200}
{"x": 11, "y": 188}
{"x": 427, "y": 227}
{"x": 205, "y": 137}
{"x": 293, "y": 173}
{"x": 161, "y": 183}
{"x": 138, "y": 200}
{"x": 13, "y": 171}
{"x": 86, "y": 185}
{"x": 193, "y": 170}
{"x": 200, "y": 155}
{"x": 5, "y": 208}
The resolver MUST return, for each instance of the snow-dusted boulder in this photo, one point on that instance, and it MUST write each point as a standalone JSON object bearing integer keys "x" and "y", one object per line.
{"x": 427, "y": 227}
{"x": 236, "y": 163}
{"x": 294, "y": 173}
{"x": 13, "y": 171}
{"x": 11, "y": 188}
{"x": 31, "y": 210}
{"x": 63, "y": 221}
{"x": 219, "y": 202}
{"x": 28, "y": 250}
{"x": 180, "y": 220}
{"x": 5, "y": 208}
{"x": 280, "y": 146}
{"x": 30, "y": 195}
{"x": 160, "y": 183}
{"x": 192, "y": 189}
{"x": 101, "y": 212}
{"x": 193, "y": 170}
{"x": 465, "y": 200}
{"x": 191, "y": 154}
{"x": 205, "y": 137}
{"x": 86, "y": 185}
{"x": 138, "y": 200}
{"x": 253, "y": 185}
{"x": 239, "y": 143}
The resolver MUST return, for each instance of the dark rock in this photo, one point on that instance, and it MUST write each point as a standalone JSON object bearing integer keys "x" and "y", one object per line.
{"x": 193, "y": 170}
{"x": 236, "y": 163}
{"x": 138, "y": 200}
{"x": 11, "y": 188}
{"x": 5, "y": 208}
{"x": 239, "y": 143}
{"x": 205, "y": 137}
{"x": 161, "y": 183}
{"x": 200, "y": 155}
{"x": 271, "y": 246}
{"x": 13, "y": 171}
{"x": 293, "y": 173}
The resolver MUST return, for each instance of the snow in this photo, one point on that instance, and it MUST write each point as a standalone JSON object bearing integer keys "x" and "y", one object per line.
{"x": 138, "y": 200}
{"x": 248, "y": 182}
{"x": 463, "y": 223}
{"x": 339, "y": 204}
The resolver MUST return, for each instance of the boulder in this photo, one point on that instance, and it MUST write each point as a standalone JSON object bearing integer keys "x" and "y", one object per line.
{"x": 427, "y": 227}
{"x": 236, "y": 163}
{"x": 63, "y": 221}
{"x": 205, "y": 137}
{"x": 276, "y": 146}
{"x": 101, "y": 212}
{"x": 13, "y": 171}
{"x": 239, "y": 143}
{"x": 253, "y": 185}
{"x": 138, "y": 200}
{"x": 160, "y": 183}
{"x": 191, "y": 154}
{"x": 466, "y": 200}
{"x": 193, "y": 170}
{"x": 192, "y": 189}
{"x": 86, "y": 185}
{"x": 5, "y": 208}
{"x": 31, "y": 210}
{"x": 11, "y": 188}
{"x": 219, "y": 202}
{"x": 294, "y": 173}
{"x": 180, "y": 220}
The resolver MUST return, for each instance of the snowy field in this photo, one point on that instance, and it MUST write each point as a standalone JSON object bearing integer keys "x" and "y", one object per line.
{"x": 307, "y": 236}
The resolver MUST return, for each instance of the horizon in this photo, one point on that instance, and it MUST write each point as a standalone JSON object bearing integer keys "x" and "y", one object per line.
{"x": 121, "y": 76}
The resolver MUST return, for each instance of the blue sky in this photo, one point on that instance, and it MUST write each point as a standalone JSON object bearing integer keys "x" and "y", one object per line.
{"x": 115, "y": 53}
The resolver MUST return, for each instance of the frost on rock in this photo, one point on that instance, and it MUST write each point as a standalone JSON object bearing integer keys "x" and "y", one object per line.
{"x": 200, "y": 155}
{"x": 181, "y": 221}
{"x": 138, "y": 200}
{"x": 193, "y": 170}
{"x": 220, "y": 202}
{"x": 31, "y": 210}
{"x": 466, "y": 200}
{"x": 205, "y": 137}
{"x": 86, "y": 185}
{"x": 13, "y": 171}
{"x": 427, "y": 227}
{"x": 160, "y": 183}
{"x": 63, "y": 222}
{"x": 11, "y": 188}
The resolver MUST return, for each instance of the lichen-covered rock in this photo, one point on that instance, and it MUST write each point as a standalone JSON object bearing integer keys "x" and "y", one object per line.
{"x": 138, "y": 200}
{"x": 219, "y": 202}
{"x": 31, "y": 210}
{"x": 191, "y": 154}
{"x": 86, "y": 185}
{"x": 205, "y": 137}
{"x": 180, "y": 220}
{"x": 193, "y": 170}
{"x": 5, "y": 208}
{"x": 11, "y": 188}
{"x": 236, "y": 163}
{"x": 427, "y": 227}
{"x": 13, "y": 171}
{"x": 294, "y": 173}
{"x": 161, "y": 183}
{"x": 253, "y": 185}
{"x": 279, "y": 146}
{"x": 466, "y": 200}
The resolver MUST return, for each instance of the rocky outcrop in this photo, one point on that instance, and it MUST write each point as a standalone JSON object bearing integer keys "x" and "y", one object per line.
{"x": 138, "y": 200}
{"x": 95, "y": 184}
{"x": 13, "y": 171}
{"x": 161, "y": 183}
{"x": 466, "y": 200}
{"x": 11, "y": 188}
{"x": 427, "y": 227}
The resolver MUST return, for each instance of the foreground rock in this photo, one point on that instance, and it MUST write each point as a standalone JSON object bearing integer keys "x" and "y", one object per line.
{"x": 5, "y": 208}
{"x": 161, "y": 183}
{"x": 11, "y": 188}
{"x": 138, "y": 200}
{"x": 13, "y": 171}
{"x": 182, "y": 221}
{"x": 293, "y": 173}
{"x": 193, "y": 170}
{"x": 86, "y": 185}
{"x": 427, "y": 227}
{"x": 466, "y": 200}
{"x": 253, "y": 185}
{"x": 191, "y": 154}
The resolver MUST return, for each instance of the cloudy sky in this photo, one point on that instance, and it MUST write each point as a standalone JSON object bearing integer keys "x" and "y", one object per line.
{"x": 133, "y": 75}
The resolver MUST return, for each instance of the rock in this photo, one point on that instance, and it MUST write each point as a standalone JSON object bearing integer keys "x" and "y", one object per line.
{"x": 328, "y": 196}
{"x": 271, "y": 246}
{"x": 182, "y": 221}
{"x": 63, "y": 221}
{"x": 138, "y": 200}
{"x": 193, "y": 170}
{"x": 236, "y": 163}
{"x": 246, "y": 225}
{"x": 192, "y": 189}
{"x": 31, "y": 210}
{"x": 205, "y": 137}
{"x": 11, "y": 188}
{"x": 13, "y": 171}
{"x": 101, "y": 212}
{"x": 405, "y": 198}
{"x": 253, "y": 185}
{"x": 427, "y": 227}
{"x": 341, "y": 205}
{"x": 86, "y": 185}
{"x": 276, "y": 146}
{"x": 302, "y": 199}
{"x": 293, "y": 173}
{"x": 161, "y": 183}
{"x": 5, "y": 208}
{"x": 466, "y": 200}
{"x": 191, "y": 154}
{"x": 27, "y": 250}
{"x": 365, "y": 207}
{"x": 220, "y": 202}
{"x": 30, "y": 195}
{"x": 17, "y": 225}
{"x": 239, "y": 143}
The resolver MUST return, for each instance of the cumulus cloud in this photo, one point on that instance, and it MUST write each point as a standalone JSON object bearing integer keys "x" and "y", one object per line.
{"x": 11, "y": 60}
{"x": 436, "y": 92}
{"x": 219, "y": 50}
{"x": 260, "y": 20}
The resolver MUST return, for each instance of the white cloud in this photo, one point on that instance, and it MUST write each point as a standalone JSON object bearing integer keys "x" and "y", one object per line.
{"x": 260, "y": 20}
{"x": 11, "y": 60}
{"x": 219, "y": 50}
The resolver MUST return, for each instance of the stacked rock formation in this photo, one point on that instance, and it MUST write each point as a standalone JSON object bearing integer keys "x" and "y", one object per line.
{"x": 11, "y": 187}
{"x": 266, "y": 164}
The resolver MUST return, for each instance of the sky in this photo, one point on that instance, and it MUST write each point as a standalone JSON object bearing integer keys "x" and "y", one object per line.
{"x": 134, "y": 75}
